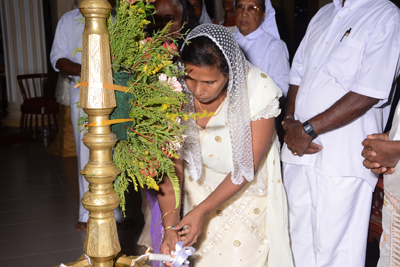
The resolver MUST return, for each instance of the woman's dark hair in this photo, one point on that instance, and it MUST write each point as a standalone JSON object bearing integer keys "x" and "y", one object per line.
{"x": 260, "y": 2}
{"x": 203, "y": 52}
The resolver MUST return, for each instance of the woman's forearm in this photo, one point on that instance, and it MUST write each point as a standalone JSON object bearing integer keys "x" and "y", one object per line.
{"x": 166, "y": 197}
{"x": 166, "y": 201}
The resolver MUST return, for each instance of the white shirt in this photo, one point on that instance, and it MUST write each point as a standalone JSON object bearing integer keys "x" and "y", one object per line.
{"x": 328, "y": 64}
{"x": 67, "y": 38}
{"x": 268, "y": 53}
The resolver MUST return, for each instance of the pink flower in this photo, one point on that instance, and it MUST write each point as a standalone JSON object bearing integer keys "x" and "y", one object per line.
{"x": 131, "y": 1}
{"x": 144, "y": 40}
{"x": 171, "y": 47}
{"x": 175, "y": 84}
{"x": 163, "y": 77}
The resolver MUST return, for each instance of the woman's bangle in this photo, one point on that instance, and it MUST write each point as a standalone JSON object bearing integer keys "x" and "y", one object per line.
{"x": 167, "y": 228}
{"x": 169, "y": 213}
{"x": 289, "y": 117}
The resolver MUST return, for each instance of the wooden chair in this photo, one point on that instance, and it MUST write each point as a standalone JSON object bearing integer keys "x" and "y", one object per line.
{"x": 38, "y": 91}
{"x": 375, "y": 223}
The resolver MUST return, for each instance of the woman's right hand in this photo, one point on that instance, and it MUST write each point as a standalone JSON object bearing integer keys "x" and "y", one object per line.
{"x": 168, "y": 245}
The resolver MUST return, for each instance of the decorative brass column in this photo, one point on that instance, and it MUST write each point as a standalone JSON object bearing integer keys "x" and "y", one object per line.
{"x": 101, "y": 241}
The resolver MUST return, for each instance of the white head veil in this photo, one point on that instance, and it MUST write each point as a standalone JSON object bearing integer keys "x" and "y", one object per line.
{"x": 237, "y": 111}
{"x": 269, "y": 23}
{"x": 204, "y": 18}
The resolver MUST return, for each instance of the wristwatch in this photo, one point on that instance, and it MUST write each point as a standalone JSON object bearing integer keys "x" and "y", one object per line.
{"x": 309, "y": 129}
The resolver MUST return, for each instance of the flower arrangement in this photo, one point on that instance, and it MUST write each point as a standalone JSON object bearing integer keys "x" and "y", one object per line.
{"x": 153, "y": 129}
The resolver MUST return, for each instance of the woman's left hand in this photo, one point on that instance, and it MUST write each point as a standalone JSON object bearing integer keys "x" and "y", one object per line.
{"x": 194, "y": 222}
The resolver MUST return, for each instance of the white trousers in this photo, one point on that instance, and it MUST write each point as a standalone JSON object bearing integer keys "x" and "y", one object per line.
{"x": 328, "y": 217}
{"x": 82, "y": 153}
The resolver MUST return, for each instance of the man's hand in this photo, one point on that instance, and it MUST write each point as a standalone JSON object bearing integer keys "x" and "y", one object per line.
{"x": 313, "y": 148}
{"x": 68, "y": 67}
{"x": 297, "y": 140}
{"x": 381, "y": 155}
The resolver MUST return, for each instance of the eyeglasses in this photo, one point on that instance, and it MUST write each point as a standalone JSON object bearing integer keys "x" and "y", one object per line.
{"x": 250, "y": 9}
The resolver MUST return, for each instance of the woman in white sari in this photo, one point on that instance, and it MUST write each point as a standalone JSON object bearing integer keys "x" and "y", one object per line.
{"x": 233, "y": 196}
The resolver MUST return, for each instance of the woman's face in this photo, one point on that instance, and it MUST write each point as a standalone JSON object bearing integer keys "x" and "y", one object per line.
{"x": 228, "y": 5}
{"x": 196, "y": 6}
{"x": 206, "y": 84}
{"x": 166, "y": 12}
{"x": 248, "y": 18}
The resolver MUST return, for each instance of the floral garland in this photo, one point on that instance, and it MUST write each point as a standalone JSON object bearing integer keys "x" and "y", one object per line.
{"x": 156, "y": 109}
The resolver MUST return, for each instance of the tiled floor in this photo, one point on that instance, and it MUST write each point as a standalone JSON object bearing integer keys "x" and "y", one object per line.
{"x": 39, "y": 208}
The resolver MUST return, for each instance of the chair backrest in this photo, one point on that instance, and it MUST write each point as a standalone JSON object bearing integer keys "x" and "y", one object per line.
{"x": 34, "y": 85}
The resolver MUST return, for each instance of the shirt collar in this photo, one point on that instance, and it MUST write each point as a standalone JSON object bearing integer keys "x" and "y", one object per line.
{"x": 347, "y": 4}
{"x": 251, "y": 36}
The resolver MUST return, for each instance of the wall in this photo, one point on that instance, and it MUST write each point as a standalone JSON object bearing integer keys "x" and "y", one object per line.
{"x": 324, "y": 2}
{"x": 24, "y": 47}
{"x": 60, "y": 7}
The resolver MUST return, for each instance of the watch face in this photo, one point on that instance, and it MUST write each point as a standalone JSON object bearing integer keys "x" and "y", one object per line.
{"x": 308, "y": 128}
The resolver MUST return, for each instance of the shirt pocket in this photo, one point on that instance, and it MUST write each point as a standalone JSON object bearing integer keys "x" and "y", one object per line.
{"x": 345, "y": 58}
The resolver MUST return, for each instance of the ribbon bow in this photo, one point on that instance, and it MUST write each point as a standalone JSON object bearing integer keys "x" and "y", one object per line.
{"x": 181, "y": 254}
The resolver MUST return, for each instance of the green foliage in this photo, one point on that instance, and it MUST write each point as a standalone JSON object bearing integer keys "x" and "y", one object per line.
{"x": 156, "y": 107}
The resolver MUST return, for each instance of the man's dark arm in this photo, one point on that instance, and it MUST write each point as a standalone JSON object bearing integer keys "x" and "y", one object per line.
{"x": 68, "y": 67}
{"x": 346, "y": 110}
{"x": 291, "y": 100}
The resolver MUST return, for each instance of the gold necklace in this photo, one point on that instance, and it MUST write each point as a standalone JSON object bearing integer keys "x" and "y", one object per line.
{"x": 202, "y": 110}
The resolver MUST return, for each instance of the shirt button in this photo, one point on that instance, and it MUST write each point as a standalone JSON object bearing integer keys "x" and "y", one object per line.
{"x": 338, "y": 18}
{"x": 218, "y": 139}
{"x": 303, "y": 93}
{"x": 315, "y": 68}
{"x": 327, "y": 42}
{"x": 349, "y": 10}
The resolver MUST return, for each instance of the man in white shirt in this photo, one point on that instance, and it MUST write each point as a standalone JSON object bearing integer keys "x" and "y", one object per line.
{"x": 67, "y": 38}
{"x": 341, "y": 76}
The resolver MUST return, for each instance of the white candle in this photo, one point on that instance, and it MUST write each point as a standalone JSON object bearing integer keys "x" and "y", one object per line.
{"x": 160, "y": 257}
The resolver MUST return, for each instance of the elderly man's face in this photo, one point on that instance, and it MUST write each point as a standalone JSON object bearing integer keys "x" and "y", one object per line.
{"x": 166, "y": 12}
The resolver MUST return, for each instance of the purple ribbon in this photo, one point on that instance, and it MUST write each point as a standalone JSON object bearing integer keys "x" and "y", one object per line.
{"x": 155, "y": 224}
